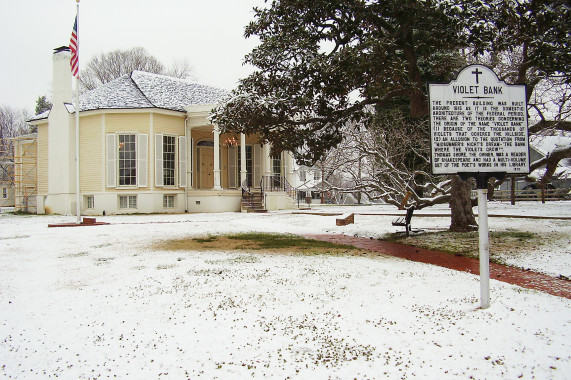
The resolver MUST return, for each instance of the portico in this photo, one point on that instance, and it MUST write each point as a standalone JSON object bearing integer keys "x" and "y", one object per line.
{"x": 221, "y": 164}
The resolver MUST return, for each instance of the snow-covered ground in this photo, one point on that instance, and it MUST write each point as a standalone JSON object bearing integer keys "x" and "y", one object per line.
{"x": 99, "y": 302}
{"x": 552, "y": 256}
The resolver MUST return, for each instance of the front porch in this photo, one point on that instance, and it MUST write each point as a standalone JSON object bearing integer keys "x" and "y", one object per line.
{"x": 272, "y": 193}
{"x": 226, "y": 171}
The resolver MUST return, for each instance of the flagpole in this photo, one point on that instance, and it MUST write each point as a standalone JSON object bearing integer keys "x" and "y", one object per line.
{"x": 77, "y": 189}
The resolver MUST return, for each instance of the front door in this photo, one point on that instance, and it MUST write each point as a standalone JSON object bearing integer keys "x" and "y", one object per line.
{"x": 205, "y": 167}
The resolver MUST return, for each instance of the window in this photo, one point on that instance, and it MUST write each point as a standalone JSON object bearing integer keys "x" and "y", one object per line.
{"x": 127, "y": 156}
{"x": 169, "y": 143}
{"x": 127, "y": 201}
{"x": 127, "y": 160}
{"x": 249, "y": 163}
{"x": 302, "y": 175}
{"x": 277, "y": 165}
{"x": 168, "y": 201}
{"x": 4, "y": 193}
{"x": 90, "y": 201}
{"x": 317, "y": 175}
{"x": 166, "y": 152}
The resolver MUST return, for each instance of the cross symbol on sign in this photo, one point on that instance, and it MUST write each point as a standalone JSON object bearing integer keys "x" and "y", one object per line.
{"x": 477, "y": 73}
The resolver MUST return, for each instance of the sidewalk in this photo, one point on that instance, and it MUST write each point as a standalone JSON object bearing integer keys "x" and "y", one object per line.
{"x": 429, "y": 214}
{"x": 514, "y": 276}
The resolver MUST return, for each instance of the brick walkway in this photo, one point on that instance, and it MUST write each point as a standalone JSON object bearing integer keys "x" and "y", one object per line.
{"x": 527, "y": 279}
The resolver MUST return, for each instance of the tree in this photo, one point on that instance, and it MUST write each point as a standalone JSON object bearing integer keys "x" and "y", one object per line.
{"x": 12, "y": 124}
{"x": 530, "y": 44}
{"x": 389, "y": 161}
{"x": 323, "y": 64}
{"x": 180, "y": 68}
{"x": 105, "y": 67}
{"x": 42, "y": 104}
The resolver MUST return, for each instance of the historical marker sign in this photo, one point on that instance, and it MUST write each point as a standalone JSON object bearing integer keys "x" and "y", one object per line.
{"x": 478, "y": 124}
{"x": 478, "y": 127}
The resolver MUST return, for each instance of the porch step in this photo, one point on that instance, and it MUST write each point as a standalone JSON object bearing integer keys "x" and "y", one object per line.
{"x": 254, "y": 203}
{"x": 253, "y": 207}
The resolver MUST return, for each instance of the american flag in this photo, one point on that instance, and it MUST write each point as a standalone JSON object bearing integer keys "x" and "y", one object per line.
{"x": 73, "y": 46}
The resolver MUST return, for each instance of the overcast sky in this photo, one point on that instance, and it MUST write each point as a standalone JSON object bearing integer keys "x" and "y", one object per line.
{"x": 208, "y": 34}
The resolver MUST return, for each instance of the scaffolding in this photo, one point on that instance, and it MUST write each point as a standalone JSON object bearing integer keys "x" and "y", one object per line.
{"x": 7, "y": 173}
{"x": 18, "y": 171}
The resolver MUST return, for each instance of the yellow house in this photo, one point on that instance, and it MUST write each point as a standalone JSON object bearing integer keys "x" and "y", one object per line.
{"x": 146, "y": 146}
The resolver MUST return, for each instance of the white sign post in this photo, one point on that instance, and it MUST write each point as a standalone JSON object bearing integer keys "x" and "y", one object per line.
{"x": 478, "y": 128}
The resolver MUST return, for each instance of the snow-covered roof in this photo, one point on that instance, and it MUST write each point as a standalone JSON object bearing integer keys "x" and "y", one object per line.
{"x": 120, "y": 93}
{"x": 145, "y": 90}
{"x": 40, "y": 116}
{"x": 547, "y": 144}
{"x": 561, "y": 172}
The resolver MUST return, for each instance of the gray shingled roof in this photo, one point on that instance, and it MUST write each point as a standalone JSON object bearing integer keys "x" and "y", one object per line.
{"x": 146, "y": 90}
{"x": 120, "y": 93}
{"x": 174, "y": 94}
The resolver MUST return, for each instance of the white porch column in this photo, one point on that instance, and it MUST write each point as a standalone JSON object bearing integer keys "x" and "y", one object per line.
{"x": 288, "y": 158}
{"x": 217, "y": 159}
{"x": 190, "y": 159}
{"x": 243, "y": 171}
{"x": 267, "y": 160}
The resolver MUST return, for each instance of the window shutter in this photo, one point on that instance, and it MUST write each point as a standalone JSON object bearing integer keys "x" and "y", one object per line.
{"x": 111, "y": 160}
{"x": 257, "y": 165}
{"x": 232, "y": 167}
{"x": 191, "y": 163}
{"x": 182, "y": 159}
{"x": 159, "y": 180}
{"x": 142, "y": 159}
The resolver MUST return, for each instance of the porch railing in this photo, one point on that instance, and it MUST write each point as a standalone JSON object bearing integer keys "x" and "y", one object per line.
{"x": 278, "y": 183}
{"x": 249, "y": 196}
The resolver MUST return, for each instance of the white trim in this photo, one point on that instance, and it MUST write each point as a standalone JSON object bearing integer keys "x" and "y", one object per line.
{"x": 217, "y": 182}
{"x": 103, "y": 153}
{"x": 182, "y": 159}
{"x": 117, "y": 174}
{"x": 257, "y": 165}
{"x": 159, "y": 160}
{"x": 267, "y": 160}
{"x": 191, "y": 171}
{"x": 111, "y": 159}
{"x": 232, "y": 167}
{"x": 151, "y": 148}
{"x": 243, "y": 168}
{"x": 142, "y": 159}
{"x": 159, "y": 111}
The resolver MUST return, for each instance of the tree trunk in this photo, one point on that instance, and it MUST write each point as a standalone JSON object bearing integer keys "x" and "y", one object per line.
{"x": 463, "y": 219}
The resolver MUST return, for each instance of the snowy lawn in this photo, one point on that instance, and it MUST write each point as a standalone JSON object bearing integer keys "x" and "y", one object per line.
{"x": 99, "y": 302}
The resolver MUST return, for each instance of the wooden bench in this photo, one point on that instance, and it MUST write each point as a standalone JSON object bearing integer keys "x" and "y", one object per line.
{"x": 404, "y": 221}
{"x": 345, "y": 219}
